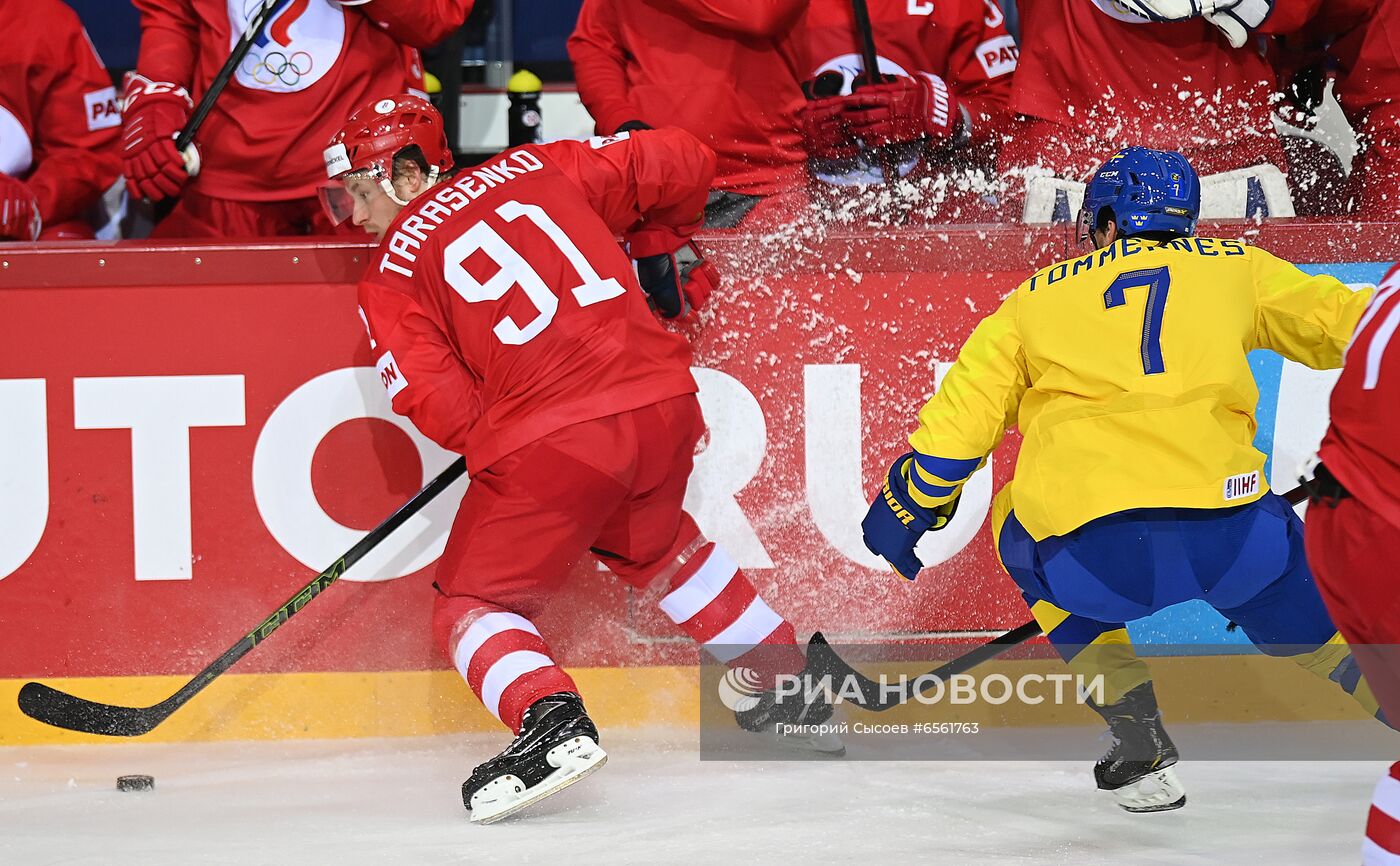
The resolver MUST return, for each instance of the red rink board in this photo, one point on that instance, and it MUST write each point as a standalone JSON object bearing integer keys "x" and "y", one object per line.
{"x": 813, "y": 362}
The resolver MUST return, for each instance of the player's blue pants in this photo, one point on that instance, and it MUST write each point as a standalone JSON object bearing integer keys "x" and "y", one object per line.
{"x": 1248, "y": 562}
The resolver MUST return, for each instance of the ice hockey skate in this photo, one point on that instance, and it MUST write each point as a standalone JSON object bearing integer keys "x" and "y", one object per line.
{"x": 793, "y": 721}
{"x": 1138, "y": 768}
{"x": 557, "y": 746}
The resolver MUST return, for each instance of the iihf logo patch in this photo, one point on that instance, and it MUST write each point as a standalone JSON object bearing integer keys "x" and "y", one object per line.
{"x": 1240, "y": 486}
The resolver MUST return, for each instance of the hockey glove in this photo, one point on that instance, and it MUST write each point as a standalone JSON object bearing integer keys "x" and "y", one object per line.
{"x": 895, "y": 522}
{"x": 670, "y": 270}
{"x": 19, "y": 211}
{"x": 824, "y": 130}
{"x": 1235, "y": 18}
{"x": 633, "y": 126}
{"x": 153, "y": 114}
{"x": 904, "y": 109}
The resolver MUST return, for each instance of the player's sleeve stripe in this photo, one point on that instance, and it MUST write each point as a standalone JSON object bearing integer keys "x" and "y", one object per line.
{"x": 928, "y": 488}
{"x": 946, "y": 468}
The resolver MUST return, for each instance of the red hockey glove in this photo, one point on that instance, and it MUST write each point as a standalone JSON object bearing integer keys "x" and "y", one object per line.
{"x": 824, "y": 130}
{"x": 19, "y": 211}
{"x": 906, "y": 109}
{"x": 670, "y": 269}
{"x": 154, "y": 112}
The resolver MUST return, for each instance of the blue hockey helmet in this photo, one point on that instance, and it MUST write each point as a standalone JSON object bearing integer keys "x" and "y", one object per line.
{"x": 1146, "y": 190}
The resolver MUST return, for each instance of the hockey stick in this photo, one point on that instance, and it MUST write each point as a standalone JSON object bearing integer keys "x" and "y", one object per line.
{"x": 866, "y": 33}
{"x": 206, "y": 102}
{"x": 822, "y": 660}
{"x": 62, "y": 710}
{"x": 216, "y": 87}
{"x": 871, "y": 61}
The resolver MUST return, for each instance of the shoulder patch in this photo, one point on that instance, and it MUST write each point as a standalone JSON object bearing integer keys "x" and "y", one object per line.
{"x": 390, "y": 375}
{"x": 598, "y": 141}
{"x": 102, "y": 111}
{"x": 998, "y": 56}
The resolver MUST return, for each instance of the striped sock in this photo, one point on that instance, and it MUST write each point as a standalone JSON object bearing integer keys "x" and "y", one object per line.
{"x": 505, "y": 661}
{"x": 1382, "y": 844}
{"x": 713, "y": 602}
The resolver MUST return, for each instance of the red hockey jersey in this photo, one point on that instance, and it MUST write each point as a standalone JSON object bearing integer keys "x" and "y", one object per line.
{"x": 1091, "y": 66}
{"x": 59, "y": 121}
{"x": 965, "y": 42}
{"x": 1362, "y": 445}
{"x": 314, "y": 63}
{"x": 500, "y": 306}
{"x": 707, "y": 66}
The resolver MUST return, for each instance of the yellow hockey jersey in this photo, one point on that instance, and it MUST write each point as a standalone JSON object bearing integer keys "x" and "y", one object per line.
{"x": 1126, "y": 372}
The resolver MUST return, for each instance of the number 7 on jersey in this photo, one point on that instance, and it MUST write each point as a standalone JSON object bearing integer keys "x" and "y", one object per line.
{"x": 1157, "y": 281}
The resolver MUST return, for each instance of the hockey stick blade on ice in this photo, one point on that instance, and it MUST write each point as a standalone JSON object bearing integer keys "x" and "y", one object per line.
{"x": 62, "y": 710}
{"x": 822, "y": 660}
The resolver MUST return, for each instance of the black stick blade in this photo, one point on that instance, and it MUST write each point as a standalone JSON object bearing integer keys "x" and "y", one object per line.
{"x": 62, "y": 710}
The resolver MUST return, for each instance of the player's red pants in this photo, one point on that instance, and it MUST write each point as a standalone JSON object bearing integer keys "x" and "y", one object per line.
{"x": 197, "y": 215}
{"x": 1351, "y": 551}
{"x": 612, "y": 484}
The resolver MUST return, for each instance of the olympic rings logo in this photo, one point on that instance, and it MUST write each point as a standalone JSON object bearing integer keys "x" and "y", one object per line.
{"x": 275, "y": 67}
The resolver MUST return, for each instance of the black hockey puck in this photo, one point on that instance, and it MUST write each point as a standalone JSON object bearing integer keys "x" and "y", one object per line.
{"x": 136, "y": 783}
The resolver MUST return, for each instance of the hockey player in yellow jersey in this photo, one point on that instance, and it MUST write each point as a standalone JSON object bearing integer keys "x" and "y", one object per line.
{"x": 1137, "y": 486}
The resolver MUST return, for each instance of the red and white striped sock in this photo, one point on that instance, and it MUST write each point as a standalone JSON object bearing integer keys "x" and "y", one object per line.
{"x": 1382, "y": 844}
{"x": 713, "y": 602}
{"x": 505, "y": 661}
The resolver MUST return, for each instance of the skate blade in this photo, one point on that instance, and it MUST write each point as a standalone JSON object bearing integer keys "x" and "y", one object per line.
{"x": 505, "y": 795}
{"x": 823, "y": 745}
{"x": 1161, "y": 791}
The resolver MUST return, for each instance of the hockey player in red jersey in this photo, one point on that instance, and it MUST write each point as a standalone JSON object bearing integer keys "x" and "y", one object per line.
{"x": 58, "y": 124}
{"x": 710, "y": 67}
{"x": 1096, "y": 73}
{"x": 945, "y": 77}
{"x": 509, "y": 326}
{"x": 258, "y": 154}
{"x": 1355, "y": 40}
{"x": 1353, "y": 528}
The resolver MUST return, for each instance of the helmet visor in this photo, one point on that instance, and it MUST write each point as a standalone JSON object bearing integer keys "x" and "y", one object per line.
{"x": 1085, "y": 228}
{"x": 337, "y": 202}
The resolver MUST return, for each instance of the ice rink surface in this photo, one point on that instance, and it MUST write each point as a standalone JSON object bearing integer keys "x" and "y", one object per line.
{"x": 387, "y": 802}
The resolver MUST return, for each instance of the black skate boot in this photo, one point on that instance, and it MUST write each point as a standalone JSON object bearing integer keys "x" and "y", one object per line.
{"x": 794, "y": 721}
{"x": 1138, "y": 767}
{"x": 557, "y": 746}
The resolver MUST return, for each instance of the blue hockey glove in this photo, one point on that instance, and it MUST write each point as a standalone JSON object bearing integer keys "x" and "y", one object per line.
{"x": 895, "y": 522}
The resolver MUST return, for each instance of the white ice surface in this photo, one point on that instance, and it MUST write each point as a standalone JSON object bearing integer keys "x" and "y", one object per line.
{"x": 388, "y": 802}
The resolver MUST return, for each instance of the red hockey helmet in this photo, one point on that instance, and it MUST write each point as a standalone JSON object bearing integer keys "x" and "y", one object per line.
{"x": 376, "y": 132}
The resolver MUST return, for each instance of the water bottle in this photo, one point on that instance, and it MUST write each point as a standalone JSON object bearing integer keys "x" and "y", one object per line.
{"x": 524, "y": 125}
